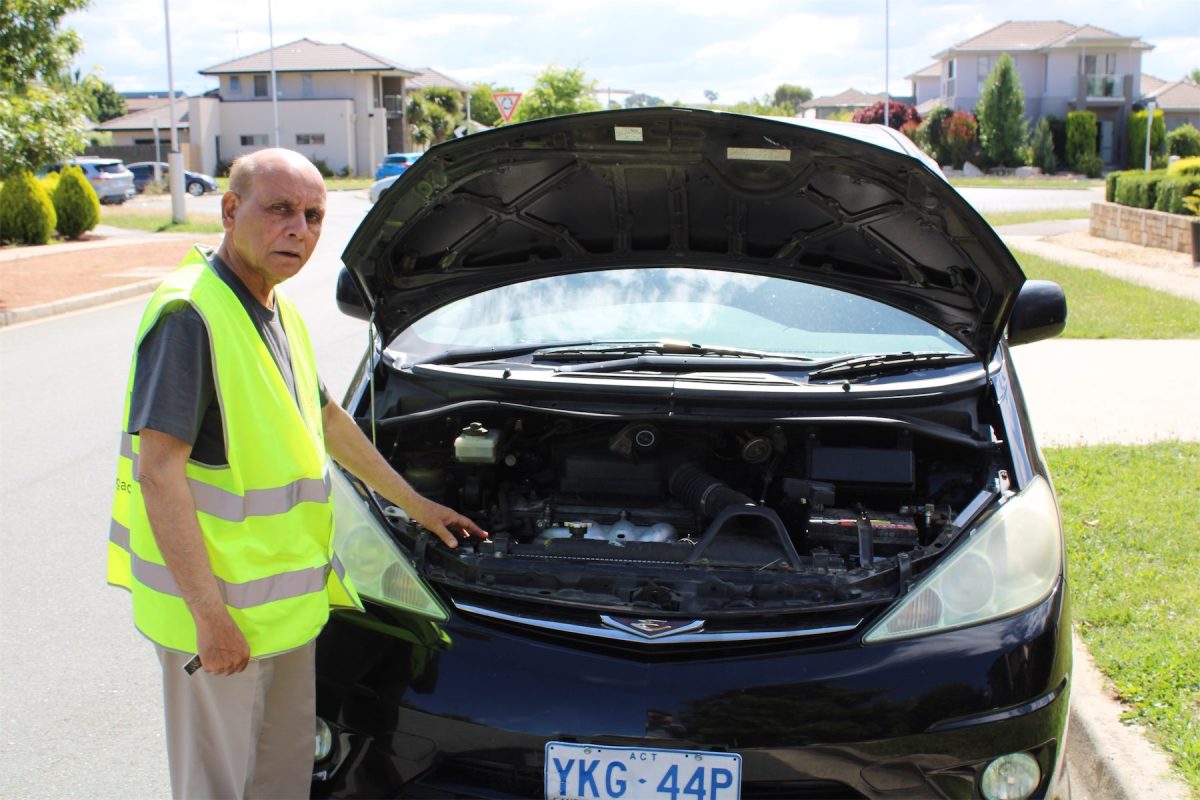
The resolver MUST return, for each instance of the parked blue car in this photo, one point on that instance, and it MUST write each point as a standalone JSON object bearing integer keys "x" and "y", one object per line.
{"x": 395, "y": 164}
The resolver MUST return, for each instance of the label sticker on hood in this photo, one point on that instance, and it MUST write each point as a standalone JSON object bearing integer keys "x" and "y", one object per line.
{"x": 627, "y": 134}
{"x": 758, "y": 154}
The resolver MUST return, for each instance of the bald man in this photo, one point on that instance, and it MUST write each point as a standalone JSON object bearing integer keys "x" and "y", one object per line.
{"x": 222, "y": 520}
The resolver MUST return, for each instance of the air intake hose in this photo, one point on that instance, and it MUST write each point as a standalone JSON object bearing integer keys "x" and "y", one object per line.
{"x": 705, "y": 494}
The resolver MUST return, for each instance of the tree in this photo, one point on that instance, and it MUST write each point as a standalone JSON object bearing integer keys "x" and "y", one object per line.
{"x": 898, "y": 114}
{"x": 483, "y": 108}
{"x": 434, "y": 112}
{"x": 1193, "y": 76}
{"x": 710, "y": 95}
{"x": 932, "y": 136}
{"x": 556, "y": 92}
{"x": 103, "y": 101}
{"x": 1043, "y": 147}
{"x": 1001, "y": 114}
{"x": 639, "y": 100}
{"x": 960, "y": 130}
{"x": 790, "y": 96}
{"x": 41, "y": 117}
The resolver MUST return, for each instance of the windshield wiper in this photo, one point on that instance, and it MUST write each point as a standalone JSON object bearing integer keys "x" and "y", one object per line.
{"x": 662, "y": 347}
{"x": 460, "y": 354}
{"x": 859, "y": 367}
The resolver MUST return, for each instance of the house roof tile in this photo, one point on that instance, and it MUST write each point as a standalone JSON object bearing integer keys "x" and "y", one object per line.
{"x": 1177, "y": 96}
{"x": 1037, "y": 35}
{"x": 850, "y": 97}
{"x": 305, "y": 55}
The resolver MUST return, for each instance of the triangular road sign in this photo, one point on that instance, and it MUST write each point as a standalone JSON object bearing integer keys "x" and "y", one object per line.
{"x": 506, "y": 102}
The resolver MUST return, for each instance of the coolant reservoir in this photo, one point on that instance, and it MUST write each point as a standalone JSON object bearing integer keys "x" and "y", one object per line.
{"x": 476, "y": 445}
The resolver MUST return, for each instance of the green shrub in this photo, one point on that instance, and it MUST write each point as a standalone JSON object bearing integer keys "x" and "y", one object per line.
{"x": 1137, "y": 140}
{"x": 1137, "y": 188}
{"x": 1184, "y": 141}
{"x": 1001, "y": 114}
{"x": 960, "y": 130}
{"x": 75, "y": 203}
{"x": 1185, "y": 166}
{"x": 49, "y": 182}
{"x": 1081, "y": 142}
{"x": 1172, "y": 190}
{"x": 1112, "y": 179}
{"x": 1042, "y": 147}
{"x": 1058, "y": 131}
{"x": 322, "y": 167}
{"x": 1192, "y": 204}
{"x": 26, "y": 213}
{"x": 933, "y": 134}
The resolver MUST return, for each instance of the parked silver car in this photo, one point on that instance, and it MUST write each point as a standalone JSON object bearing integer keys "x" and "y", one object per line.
{"x": 111, "y": 179}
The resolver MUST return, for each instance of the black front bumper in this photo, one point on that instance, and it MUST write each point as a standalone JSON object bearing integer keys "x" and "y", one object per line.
{"x": 466, "y": 710}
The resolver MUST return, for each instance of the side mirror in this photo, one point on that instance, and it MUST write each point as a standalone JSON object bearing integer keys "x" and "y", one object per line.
{"x": 1040, "y": 312}
{"x": 349, "y": 298}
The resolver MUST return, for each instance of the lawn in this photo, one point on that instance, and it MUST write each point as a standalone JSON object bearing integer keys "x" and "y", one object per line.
{"x": 995, "y": 218}
{"x": 1132, "y": 520}
{"x": 1100, "y": 306}
{"x": 156, "y": 221}
{"x": 996, "y": 182}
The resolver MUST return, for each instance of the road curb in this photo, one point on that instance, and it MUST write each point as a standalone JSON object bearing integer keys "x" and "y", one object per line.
{"x": 1107, "y": 758}
{"x": 30, "y": 313}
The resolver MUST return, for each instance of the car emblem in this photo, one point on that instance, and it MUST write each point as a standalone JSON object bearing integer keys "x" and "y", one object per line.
{"x": 653, "y": 628}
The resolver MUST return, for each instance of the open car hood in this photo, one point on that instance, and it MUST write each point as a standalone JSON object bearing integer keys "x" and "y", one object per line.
{"x": 854, "y": 207}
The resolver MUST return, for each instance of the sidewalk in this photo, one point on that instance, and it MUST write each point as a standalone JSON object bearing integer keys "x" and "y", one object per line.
{"x": 1108, "y": 759}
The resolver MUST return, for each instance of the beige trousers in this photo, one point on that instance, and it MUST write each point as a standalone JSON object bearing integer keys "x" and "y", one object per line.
{"x": 241, "y": 736}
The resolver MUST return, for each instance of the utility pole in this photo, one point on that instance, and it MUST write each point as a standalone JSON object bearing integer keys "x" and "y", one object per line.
{"x": 174, "y": 158}
{"x": 274, "y": 81}
{"x": 887, "y": 95}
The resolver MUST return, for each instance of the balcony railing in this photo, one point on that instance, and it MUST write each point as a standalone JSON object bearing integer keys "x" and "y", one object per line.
{"x": 1105, "y": 85}
{"x": 394, "y": 103}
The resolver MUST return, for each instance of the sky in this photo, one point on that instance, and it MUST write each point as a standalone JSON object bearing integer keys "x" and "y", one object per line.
{"x": 671, "y": 49}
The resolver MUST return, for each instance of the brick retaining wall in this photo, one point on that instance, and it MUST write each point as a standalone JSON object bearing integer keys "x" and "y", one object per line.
{"x": 1142, "y": 226}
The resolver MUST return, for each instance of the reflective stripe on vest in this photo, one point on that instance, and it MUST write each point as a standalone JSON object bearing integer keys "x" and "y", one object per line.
{"x": 266, "y": 516}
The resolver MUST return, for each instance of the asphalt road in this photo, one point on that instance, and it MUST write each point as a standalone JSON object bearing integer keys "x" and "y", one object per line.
{"x": 79, "y": 688}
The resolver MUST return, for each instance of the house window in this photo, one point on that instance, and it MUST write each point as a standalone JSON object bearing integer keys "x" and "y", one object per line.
{"x": 982, "y": 69}
{"x": 950, "y": 69}
{"x": 260, "y": 85}
{"x": 376, "y": 83}
{"x": 306, "y": 86}
{"x": 310, "y": 138}
{"x": 254, "y": 140}
{"x": 235, "y": 84}
{"x": 1100, "y": 64}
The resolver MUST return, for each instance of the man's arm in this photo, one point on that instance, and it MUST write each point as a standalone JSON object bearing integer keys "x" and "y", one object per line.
{"x": 353, "y": 450}
{"x": 162, "y": 458}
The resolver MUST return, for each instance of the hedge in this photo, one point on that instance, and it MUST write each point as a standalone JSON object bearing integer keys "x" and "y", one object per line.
{"x": 1185, "y": 166}
{"x": 76, "y": 203}
{"x": 1172, "y": 190}
{"x": 1137, "y": 140}
{"x": 1081, "y": 143}
{"x": 1160, "y": 189}
{"x": 26, "y": 213}
{"x": 1184, "y": 141}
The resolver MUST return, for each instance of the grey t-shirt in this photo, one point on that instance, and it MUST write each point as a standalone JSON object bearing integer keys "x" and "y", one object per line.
{"x": 173, "y": 387}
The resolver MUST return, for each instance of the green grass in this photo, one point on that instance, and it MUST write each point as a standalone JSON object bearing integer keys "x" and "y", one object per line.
{"x": 1132, "y": 519}
{"x": 159, "y": 221}
{"x": 1036, "y": 215}
{"x": 1100, "y": 306}
{"x": 997, "y": 182}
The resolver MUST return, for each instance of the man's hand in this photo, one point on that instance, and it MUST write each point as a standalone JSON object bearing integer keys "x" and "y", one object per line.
{"x": 222, "y": 648}
{"x": 350, "y": 448}
{"x": 446, "y": 523}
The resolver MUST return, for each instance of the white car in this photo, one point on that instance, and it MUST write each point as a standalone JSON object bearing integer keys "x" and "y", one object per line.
{"x": 378, "y": 186}
{"x": 111, "y": 179}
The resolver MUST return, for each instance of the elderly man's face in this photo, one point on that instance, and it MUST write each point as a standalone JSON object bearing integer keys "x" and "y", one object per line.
{"x": 273, "y": 226}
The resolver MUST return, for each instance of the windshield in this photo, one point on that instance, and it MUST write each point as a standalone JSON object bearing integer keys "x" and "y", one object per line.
{"x": 708, "y": 307}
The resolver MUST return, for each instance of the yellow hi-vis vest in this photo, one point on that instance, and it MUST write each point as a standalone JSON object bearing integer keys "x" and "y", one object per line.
{"x": 267, "y": 518}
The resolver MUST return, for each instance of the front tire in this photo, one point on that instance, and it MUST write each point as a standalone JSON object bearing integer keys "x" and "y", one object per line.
{"x": 195, "y": 189}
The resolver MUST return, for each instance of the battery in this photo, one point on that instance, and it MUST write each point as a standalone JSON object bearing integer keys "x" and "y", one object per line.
{"x": 837, "y": 529}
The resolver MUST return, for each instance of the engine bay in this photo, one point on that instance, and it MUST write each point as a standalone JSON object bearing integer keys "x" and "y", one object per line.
{"x": 687, "y": 516}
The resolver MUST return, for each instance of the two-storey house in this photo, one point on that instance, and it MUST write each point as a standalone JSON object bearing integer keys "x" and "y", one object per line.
{"x": 1063, "y": 67}
{"x": 334, "y": 102}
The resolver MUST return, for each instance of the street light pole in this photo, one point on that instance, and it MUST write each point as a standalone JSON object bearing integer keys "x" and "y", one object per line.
{"x": 174, "y": 158}
{"x": 274, "y": 80}
{"x": 887, "y": 95}
{"x": 1150, "y": 108}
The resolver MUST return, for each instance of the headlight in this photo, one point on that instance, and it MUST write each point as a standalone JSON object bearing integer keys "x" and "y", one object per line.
{"x": 375, "y": 564}
{"x": 1008, "y": 563}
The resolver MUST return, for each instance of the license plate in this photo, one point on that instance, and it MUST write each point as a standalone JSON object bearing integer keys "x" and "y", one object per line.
{"x": 593, "y": 772}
